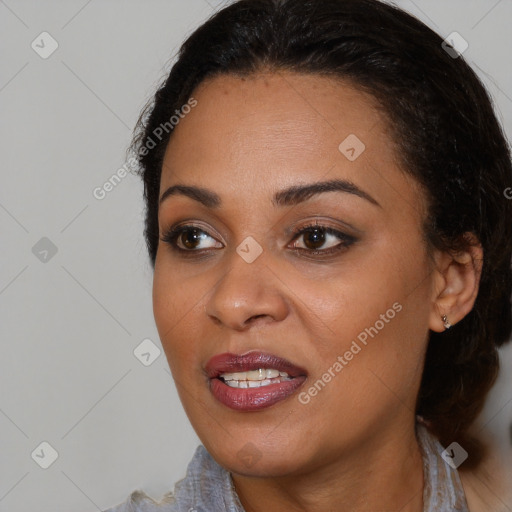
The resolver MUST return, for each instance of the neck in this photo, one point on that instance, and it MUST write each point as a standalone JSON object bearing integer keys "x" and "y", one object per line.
{"x": 384, "y": 474}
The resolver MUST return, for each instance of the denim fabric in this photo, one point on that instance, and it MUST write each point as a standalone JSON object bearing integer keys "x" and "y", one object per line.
{"x": 207, "y": 487}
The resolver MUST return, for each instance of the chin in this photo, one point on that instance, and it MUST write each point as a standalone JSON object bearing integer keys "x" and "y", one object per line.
{"x": 270, "y": 465}
{"x": 258, "y": 456}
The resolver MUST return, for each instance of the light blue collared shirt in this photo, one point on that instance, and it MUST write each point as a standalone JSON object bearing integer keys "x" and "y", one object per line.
{"x": 208, "y": 487}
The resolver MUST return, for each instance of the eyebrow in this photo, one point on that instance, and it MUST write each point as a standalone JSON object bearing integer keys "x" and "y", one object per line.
{"x": 287, "y": 197}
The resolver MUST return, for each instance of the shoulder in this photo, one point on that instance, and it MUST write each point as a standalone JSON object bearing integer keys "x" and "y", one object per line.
{"x": 139, "y": 501}
{"x": 206, "y": 486}
{"x": 488, "y": 487}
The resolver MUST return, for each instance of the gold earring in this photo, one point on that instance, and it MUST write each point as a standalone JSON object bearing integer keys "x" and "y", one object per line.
{"x": 447, "y": 324}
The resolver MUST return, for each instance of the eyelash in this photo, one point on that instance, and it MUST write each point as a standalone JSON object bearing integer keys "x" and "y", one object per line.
{"x": 171, "y": 236}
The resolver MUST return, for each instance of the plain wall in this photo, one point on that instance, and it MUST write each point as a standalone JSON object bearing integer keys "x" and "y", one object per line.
{"x": 70, "y": 323}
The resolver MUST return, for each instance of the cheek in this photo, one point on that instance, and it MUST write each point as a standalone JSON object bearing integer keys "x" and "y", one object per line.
{"x": 351, "y": 298}
{"x": 380, "y": 332}
{"x": 175, "y": 304}
{"x": 379, "y": 297}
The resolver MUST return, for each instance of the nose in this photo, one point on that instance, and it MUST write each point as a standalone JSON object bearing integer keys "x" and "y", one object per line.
{"x": 248, "y": 294}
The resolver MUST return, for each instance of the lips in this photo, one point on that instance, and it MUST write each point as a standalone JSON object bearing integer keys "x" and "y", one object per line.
{"x": 255, "y": 398}
{"x": 230, "y": 363}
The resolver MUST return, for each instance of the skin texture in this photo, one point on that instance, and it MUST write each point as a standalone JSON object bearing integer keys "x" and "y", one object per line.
{"x": 352, "y": 447}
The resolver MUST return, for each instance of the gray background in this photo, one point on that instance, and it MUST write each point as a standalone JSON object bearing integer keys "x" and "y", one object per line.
{"x": 71, "y": 322}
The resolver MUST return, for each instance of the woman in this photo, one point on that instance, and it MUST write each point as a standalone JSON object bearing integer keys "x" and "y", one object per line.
{"x": 331, "y": 243}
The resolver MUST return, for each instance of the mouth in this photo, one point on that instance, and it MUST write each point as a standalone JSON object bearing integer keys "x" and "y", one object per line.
{"x": 252, "y": 381}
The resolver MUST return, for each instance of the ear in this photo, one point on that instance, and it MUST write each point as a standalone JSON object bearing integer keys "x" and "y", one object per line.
{"x": 456, "y": 282}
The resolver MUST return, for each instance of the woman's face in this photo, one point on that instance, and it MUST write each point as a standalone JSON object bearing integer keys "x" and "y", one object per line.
{"x": 350, "y": 308}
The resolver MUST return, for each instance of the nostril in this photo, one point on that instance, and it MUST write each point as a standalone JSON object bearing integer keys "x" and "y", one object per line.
{"x": 254, "y": 318}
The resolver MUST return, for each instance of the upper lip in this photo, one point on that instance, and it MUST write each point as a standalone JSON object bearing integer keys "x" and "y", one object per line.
{"x": 230, "y": 363}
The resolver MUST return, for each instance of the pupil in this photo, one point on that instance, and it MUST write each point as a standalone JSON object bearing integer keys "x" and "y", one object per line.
{"x": 317, "y": 236}
{"x": 191, "y": 234}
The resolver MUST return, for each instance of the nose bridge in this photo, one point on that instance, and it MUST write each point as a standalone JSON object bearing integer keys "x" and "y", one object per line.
{"x": 247, "y": 289}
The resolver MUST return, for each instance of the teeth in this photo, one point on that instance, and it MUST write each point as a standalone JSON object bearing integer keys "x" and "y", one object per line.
{"x": 254, "y": 378}
{"x": 254, "y": 383}
{"x": 254, "y": 375}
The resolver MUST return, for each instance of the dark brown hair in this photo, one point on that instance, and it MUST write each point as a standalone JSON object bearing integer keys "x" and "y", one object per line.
{"x": 447, "y": 137}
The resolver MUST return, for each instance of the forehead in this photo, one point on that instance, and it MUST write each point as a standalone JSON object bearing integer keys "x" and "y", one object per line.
{"x": 278, "y": 115}
{"x": 268, "y": 131}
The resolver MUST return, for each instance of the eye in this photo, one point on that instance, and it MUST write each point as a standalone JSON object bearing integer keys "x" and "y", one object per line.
{"x": 188, "y": 239}
{"x": 192, "y": 239}
{"x": 316, "y": 236}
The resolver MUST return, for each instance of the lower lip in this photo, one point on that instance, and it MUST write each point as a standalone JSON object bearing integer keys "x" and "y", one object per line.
{"x": 253, "y": 399}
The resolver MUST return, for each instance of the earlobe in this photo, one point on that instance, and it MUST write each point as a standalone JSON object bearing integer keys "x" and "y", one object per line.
{"x": 456, "y": 285}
